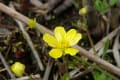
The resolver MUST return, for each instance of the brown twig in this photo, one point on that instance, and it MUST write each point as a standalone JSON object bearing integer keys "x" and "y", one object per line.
{"x": 38, "y": 4}
{"x": 29, "y": 41}
{"x": 48, "y": 69}
{"x": 34, "y": 77}
{"x": 64, "y": 6}
{"x": 109, "y": 67}
{"x": 116, "y": 48}
{"x": 101, "y": 43}
{"x": 6, "y": 66}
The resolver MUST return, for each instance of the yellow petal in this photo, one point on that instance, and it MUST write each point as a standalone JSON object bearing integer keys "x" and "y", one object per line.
{"x": 56, "y": 53}
{"x": 71, "y": 51}
{"x": 50, "y": 40}
{"x": 71, "y": 34}
{"x": 75, "y": 39}
{"x": 60, "y": 33}
{"x": 18, "y": 68}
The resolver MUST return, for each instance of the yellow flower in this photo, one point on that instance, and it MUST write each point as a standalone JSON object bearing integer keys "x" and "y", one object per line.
{"x": 62, "y": 42}
{"x": 32, "y": 23}
{"x": 18, "y": 68}
{"x": 83, "y": 11}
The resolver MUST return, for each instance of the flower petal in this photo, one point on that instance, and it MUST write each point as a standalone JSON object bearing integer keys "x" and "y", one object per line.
{"x": 75, "y": 39}
{"x": 56, "y": 53}
{"x": 71, "y": 34}
{"x": 71, "y": 51}
{"x": 59, "y": 33}
{"x": 50, "y": 40}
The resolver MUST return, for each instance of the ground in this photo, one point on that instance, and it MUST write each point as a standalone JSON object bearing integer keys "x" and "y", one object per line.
{"x": 100, "y": 31}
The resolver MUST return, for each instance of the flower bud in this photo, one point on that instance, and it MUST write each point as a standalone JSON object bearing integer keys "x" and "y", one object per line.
{"x": 83, "y": 11}
{"x": 32, "y": 23}
{"x": 18, "y": 68}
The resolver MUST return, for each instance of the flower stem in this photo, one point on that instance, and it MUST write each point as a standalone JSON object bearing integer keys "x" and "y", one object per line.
{"x": 91, "y": 42}
{"x": 88, "y": 34}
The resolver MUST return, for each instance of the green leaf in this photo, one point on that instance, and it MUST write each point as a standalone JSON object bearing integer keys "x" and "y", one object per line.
{"x": 65, "y": 77}
{"x": 18, "y": 44}
{"x": 101, "y": 6}
{"x": 100, "y": 76}
{"x": 113, "y": 2}
{"x": 105, "y": 49}
{"x": 72, "y": 66}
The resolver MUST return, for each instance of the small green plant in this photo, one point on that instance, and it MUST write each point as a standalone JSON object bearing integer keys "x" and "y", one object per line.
{"x": 18, "y": 46}
{"x": 113, "y": 2}
{"x": 103, "y": 6}
{"x": 107, "y": 43}
{"x": 101, "y": 76}
{"x": 30, "y": 77}
{"x": 66, "y": 76}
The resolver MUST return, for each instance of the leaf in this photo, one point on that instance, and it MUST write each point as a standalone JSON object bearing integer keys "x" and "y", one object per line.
{"x": 101, "y": 6}
{"x": 105, "y": 48}
{"x": 72, "y": 66}
{"x": 100, "y": 76}
{"x": 18, "y": 44}
{"x": 65, "y": 77}
{"x": 113, "y": 2}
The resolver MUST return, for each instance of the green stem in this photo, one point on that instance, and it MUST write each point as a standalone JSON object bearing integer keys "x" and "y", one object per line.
{"x": 91, "y": 42}
{"x": 88, "y": 34}
{"x": 65, "y": 62}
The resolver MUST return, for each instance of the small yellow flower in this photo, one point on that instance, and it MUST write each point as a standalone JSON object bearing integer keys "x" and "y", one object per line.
{"x": 32, "y": 23}
{"x": 83, "y": 11}
{"x": 18, "y": 68}
{"x": 62, "y": 42}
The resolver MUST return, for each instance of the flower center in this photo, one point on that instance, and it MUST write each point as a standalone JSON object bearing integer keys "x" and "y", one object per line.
{"x": 63, "y": 44}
